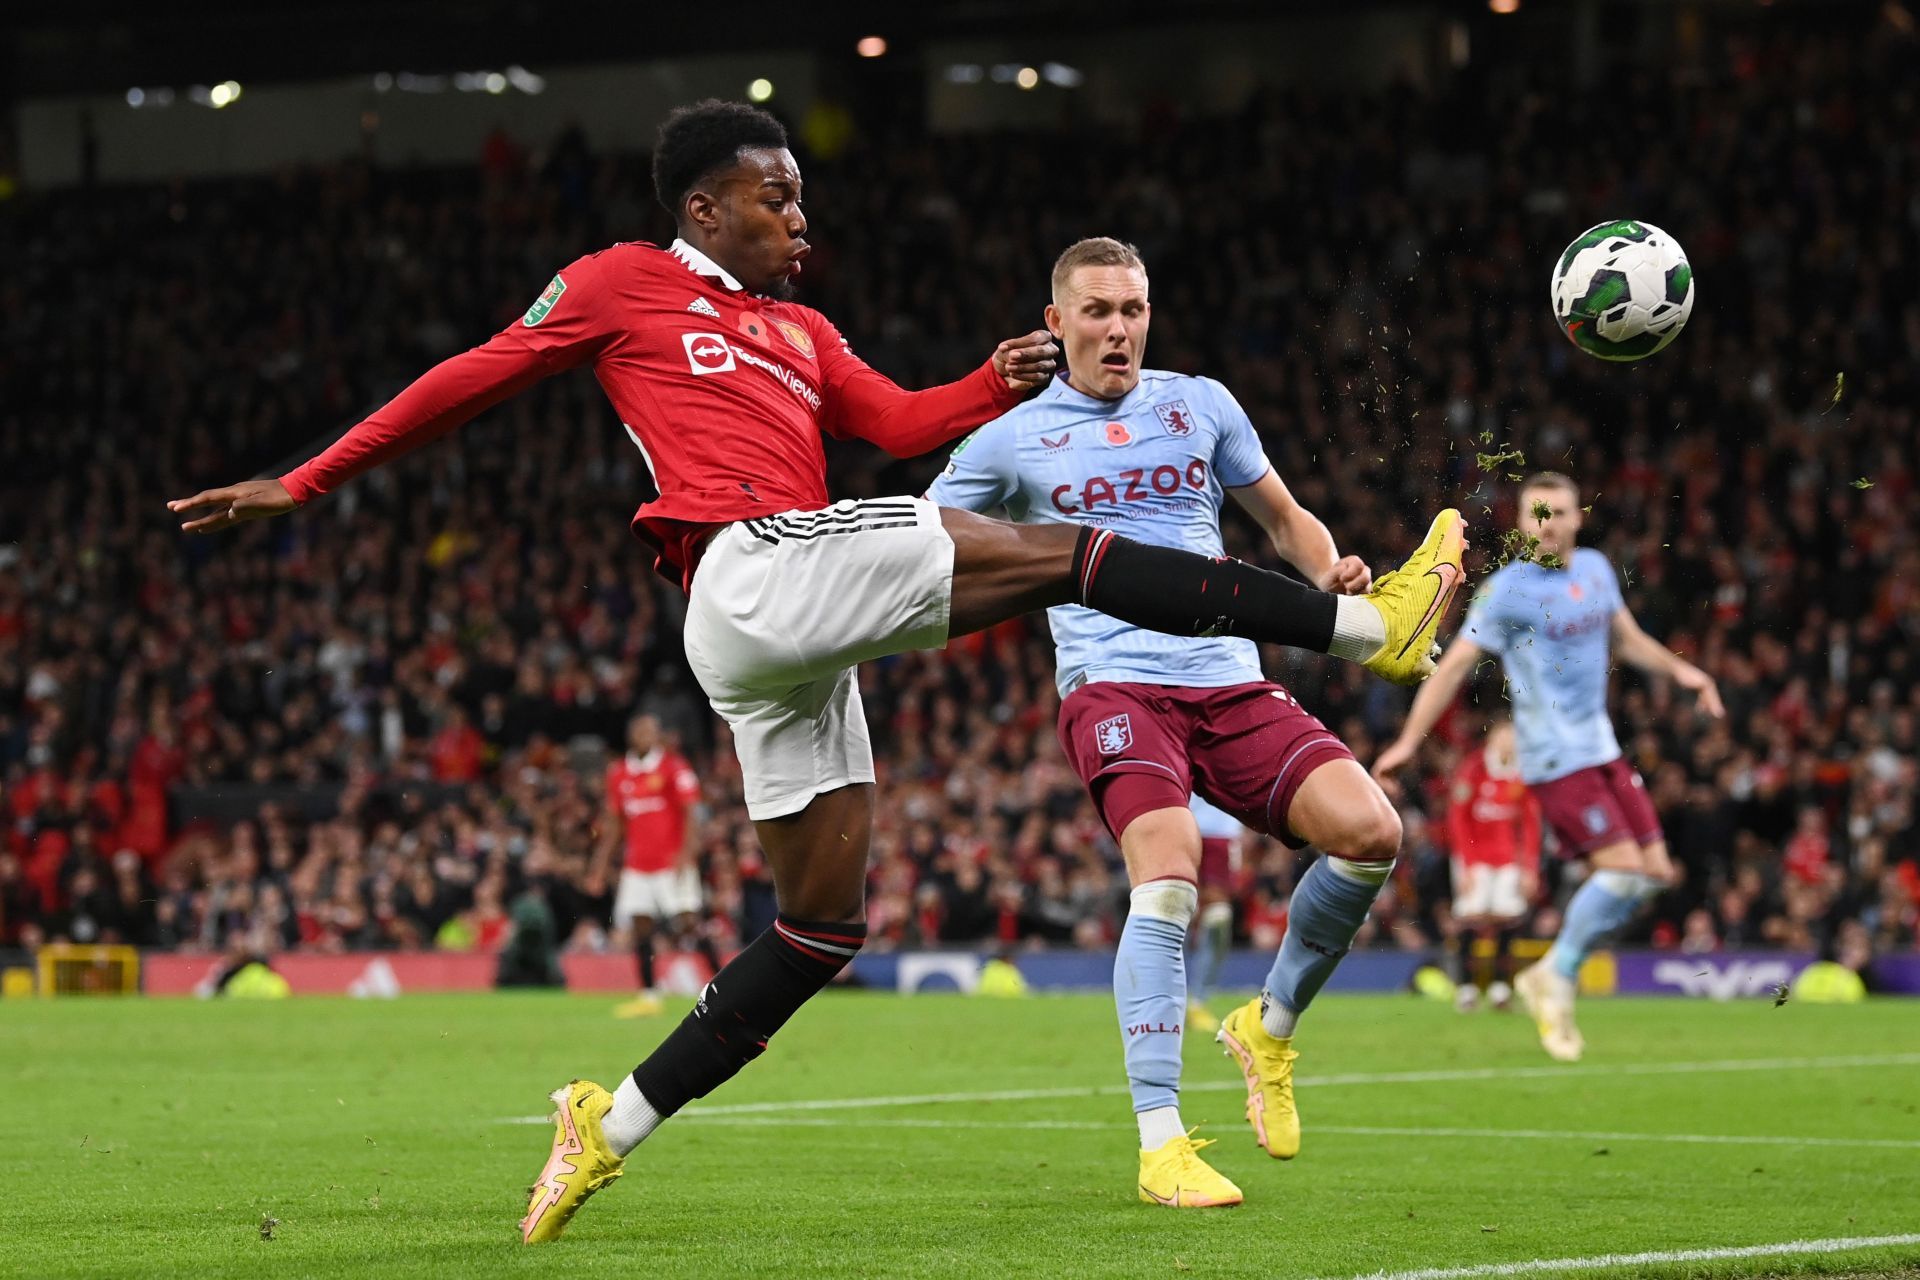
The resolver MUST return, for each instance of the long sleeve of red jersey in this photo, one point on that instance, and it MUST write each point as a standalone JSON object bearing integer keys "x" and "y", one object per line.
{"x": 550, "y": 338}
{"x": 865, "y": 404}
{"x": 441, "y": 399}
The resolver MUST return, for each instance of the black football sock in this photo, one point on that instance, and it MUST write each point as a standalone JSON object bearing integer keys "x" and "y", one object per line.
{"x": 643, "y": 956}
{"x": 704, "y": 948}
{"x": 1503, "y": 955}
{"x": 1462, "y": 965}
{"x": 1183, "y": 594}
{"x": 743, "y": 1006}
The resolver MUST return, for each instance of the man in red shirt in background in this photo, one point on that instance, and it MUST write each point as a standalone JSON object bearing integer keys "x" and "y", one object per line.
{"x": 1493, "y": 829}
{"x": 727, "y": 387}
{"x": 654, "y": 800}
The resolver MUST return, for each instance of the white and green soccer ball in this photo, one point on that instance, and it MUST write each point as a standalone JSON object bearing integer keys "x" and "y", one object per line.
{"x": 1622, "y": 290}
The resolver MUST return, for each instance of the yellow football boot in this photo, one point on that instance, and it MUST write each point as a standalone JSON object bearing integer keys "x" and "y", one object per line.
{"x": 1267, "y": 1063}
{"x": 1174, "y": 1175}
{"x": 1414, "y": 598}
{"x": 1201, "y": 1019}
{"x": 581, "y": 1162}
{"x": 1549, "y": 1001}
{"x": 644, "y": 1005}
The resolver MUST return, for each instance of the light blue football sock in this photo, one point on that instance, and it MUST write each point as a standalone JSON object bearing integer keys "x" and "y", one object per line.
{"x": 1329, "y": 905}
{"x": 1210, "y": 944}
{"x": 1604, "y": 903}
{"x": 1150, "y": 988}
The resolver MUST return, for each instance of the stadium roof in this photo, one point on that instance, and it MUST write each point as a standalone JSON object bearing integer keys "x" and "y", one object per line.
{"x": 90, "y": 46}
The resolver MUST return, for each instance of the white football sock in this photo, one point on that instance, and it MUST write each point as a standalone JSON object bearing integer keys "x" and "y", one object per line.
{"x": 1359, "y": 629}
{"x": 1158, "y": 1127}
{"x": 631, "y": 1119}
{"x": 1278, "y": 1019}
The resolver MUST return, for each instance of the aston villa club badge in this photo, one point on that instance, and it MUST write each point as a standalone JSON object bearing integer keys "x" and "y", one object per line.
{"x": 1175, "y": 417}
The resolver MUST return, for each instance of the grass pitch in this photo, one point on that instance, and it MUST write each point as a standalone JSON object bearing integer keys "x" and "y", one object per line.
{"x": 150, "y": 1137}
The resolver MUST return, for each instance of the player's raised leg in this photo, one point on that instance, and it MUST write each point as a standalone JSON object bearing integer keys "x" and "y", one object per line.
{"x": 1002, "y": 570}
{"x": 1342, "y": 811}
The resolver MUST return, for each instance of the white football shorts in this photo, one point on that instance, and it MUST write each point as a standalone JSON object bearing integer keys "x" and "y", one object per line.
{"x": 784, "y": 606}
{"x": 656, "y": 895}
{"x": 1480, "y": 890}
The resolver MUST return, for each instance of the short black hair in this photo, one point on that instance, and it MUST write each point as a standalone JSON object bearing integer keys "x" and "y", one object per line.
{"x": 698, "y": 139}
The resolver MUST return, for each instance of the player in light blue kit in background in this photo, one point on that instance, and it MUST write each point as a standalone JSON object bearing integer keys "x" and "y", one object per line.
{"x": 1221, "y": 840}
{"x": 1556, "y": 623}
{"x": 1147, "y": 720}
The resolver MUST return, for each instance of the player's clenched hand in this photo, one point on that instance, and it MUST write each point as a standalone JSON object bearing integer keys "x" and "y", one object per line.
{"x": 1027, "y": 362}
{"x": 1390, "y": 761}
{"x": 1349, "y": 576}
{"x": 1692, "y": 677}
{"x": 212, "y": 510}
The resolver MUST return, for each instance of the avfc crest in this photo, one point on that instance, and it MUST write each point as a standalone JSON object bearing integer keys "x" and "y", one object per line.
{"x": 1114, "y": 735}
{"x": 1175, "y": 417}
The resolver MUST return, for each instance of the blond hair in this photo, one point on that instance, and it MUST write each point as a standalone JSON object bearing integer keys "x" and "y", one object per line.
{"x": 1551, "y": 480}
{"x": 1095, "y": 251}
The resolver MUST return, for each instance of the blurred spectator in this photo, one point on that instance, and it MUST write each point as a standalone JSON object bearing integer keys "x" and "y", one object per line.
{"x": 405, "y": 695}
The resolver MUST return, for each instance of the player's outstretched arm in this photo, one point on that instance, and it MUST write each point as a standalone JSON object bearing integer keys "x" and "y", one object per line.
{"x": 1435, "y": 696}
{"x": 568, "y": 326}
{"x": 868, "y": 405}
{"x": 1302, "y": 538}
{"x": 1634, "y": 645}
{"x": 441, "y": 399}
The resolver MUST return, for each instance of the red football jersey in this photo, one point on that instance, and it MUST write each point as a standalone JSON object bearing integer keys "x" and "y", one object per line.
{"x": 653, "y": 794}
{"x": 1492, "y": 819}
{"x": 725, "y": 392}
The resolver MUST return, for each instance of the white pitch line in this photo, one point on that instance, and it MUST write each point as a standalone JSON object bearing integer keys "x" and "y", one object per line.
{"x": 1440, "y": 1076}
{"x": 1554, "y": 1135}
{"x": 1840, "y": 1244}
{"x": 1364, "y": 1131}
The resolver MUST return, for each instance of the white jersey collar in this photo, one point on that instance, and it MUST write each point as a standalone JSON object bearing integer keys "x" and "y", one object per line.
{"x": 646, "y": 763}
{"x": 700, "y": 264}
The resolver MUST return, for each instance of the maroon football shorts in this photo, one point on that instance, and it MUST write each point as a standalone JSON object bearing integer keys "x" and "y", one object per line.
{"x": 1216, "y": 862}
{"x": 1246, "y": 747}
{"x": 1597, "y": 806}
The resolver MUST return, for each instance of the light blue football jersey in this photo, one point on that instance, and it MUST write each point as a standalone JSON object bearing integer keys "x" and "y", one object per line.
{"x": 1552, "y": 629}
{"x": 1154, "y": 465}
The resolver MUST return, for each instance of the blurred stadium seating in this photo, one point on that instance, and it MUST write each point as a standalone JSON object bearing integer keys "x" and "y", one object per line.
{"x": 377, "y": 723}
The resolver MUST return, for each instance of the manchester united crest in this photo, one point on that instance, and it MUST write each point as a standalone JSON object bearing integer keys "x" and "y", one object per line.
{"x": 800, "y": 340}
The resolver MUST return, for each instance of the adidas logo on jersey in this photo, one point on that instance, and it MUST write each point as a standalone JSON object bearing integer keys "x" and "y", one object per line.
{"x": 701, "y": 307}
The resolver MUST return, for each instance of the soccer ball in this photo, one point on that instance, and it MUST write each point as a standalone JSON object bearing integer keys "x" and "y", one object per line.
{"x": 1622, "y": 290}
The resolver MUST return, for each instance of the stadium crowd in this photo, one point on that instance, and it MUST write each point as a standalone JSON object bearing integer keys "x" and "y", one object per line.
{"x": 378, "y": 722}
